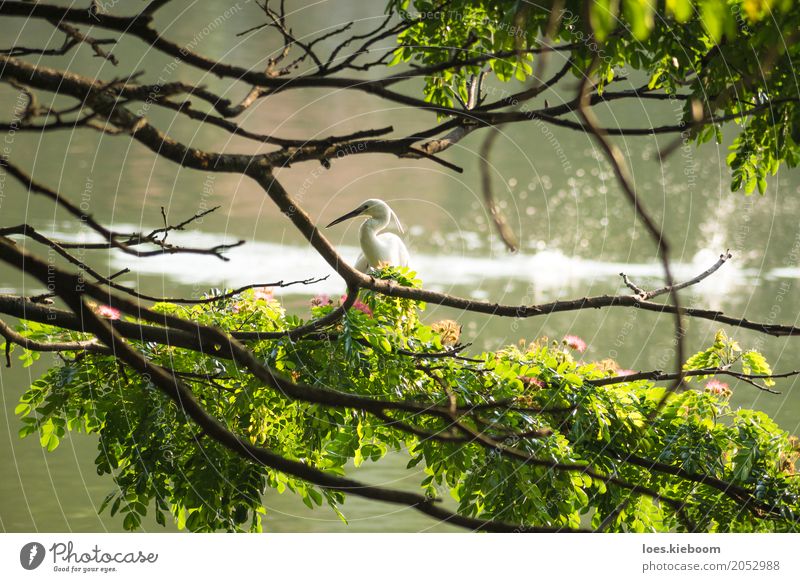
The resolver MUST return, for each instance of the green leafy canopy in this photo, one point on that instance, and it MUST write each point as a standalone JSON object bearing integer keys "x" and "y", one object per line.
{"x": 726, "y": 57}
{"x": 161, "y": 462}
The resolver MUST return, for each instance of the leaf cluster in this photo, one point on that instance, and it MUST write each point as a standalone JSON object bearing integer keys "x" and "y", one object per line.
{"x": 723, "y": 58}
{"x": 160, "y": 462}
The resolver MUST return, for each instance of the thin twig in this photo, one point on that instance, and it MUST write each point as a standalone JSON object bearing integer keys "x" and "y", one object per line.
{"x": 659, "y": 376}
{"x": 645, "y": 295}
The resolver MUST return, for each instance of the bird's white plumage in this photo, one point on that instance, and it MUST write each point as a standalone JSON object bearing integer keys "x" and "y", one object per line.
{"x": 377, "y": 247}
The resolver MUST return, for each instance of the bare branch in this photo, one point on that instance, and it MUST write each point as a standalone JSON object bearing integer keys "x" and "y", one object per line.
{"x": 29, "y": 231}
{"x": 139, "y": 26}
{"x": 532, "y": 92}
{"x": 110, "y": 236}
{"x": 153, "y": 7}
{"x": 498, "y": 218}
{"x": 645, "y": 295}
{"x": 617, "y": 161}
{"x": 12, "y": 337}
{"x": 659, "y": 376}
{"x": 95, "y": 44}
{"x": 632, "y": 286}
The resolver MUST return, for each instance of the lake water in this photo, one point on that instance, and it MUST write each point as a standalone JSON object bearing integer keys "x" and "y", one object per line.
{"x": 576, "y": 228}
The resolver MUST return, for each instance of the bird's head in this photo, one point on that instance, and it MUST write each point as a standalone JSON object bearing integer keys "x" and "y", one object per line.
{"x": 374, "y": 208}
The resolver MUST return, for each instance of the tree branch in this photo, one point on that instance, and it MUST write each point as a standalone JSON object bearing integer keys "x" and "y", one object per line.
{"x": 110, "y": 236}
{"x": 617, "y": 161}
{"x": 645, "y": 295}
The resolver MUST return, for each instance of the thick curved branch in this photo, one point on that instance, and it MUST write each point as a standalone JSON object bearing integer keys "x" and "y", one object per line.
{"x": 209, "y": 342}
{"x": 304, "y": 224}
{"x": 498, "y": 218}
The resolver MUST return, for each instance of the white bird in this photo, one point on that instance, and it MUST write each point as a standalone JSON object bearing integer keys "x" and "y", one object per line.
{"x": 377, "y": 248}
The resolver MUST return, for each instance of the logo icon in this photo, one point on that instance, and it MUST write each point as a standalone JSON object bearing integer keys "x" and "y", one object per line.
{"x": 31, "y": 555}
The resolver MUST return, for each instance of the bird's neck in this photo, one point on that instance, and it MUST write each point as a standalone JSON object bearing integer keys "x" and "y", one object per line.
{"x": 371, "y": 227}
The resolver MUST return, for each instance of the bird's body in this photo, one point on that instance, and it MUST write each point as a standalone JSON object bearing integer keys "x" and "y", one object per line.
{"x": 380, "y": 248}
{"x": 377, "y": 248}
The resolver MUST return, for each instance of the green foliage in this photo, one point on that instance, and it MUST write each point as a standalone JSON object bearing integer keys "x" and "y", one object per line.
{"x": 729, "y": 56}
{"x": 725, "y": 353}
{"x": 754, "y": 362}
{"x": 161, "y": 462}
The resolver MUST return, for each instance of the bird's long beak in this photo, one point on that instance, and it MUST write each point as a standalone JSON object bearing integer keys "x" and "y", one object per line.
{"x": 347, "y": 216}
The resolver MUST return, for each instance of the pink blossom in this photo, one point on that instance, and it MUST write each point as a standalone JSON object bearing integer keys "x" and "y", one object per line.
{"x": 531, "y": 381}
{"x": 321, "y": 300}
{"x": 108, "y": 312}
{"x": 265, "y": 293}
{"x": 718, "y": 388}
{"x": 625, "y": 372}
{"x": 575, "y": 343}
{"x": 360, "y": 305}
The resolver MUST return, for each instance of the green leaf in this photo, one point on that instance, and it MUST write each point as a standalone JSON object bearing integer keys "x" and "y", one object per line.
{"x": 22, "y": 409}
{"x": 131, "y": 521}
{"x": 315, "y": 495}
{"x": 340, "y": 514}
{"x": 681, "y": 9}
{"x": 640, "y": 14}
{"x": 49, "y": 439}
{"x": 754, "y": 362}
{"x": 397, "y": 58}
{"x": 307, "y": 501}
{"x": 704, "y": 359}
{"x": 106, "y": 501}
{"x": 716, "y": 19}
{"x": 762, "y": 185}
{"x": 27, "y": 430}
{"x": 603, "y": 17}
{"x": 180, "y": 518}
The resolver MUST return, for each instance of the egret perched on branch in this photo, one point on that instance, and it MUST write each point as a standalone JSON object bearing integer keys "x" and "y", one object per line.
{"x": 377, "y": 248}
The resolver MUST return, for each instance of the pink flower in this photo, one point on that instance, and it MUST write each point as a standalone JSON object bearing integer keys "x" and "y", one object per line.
{"x": 321, "y": 300}
{"x": 360, "y": 305}
{"x": 531, "y": 381}
{"x": 265, "y": 293}
{"x": 108, "y": 312}
{"x": 718, "y": 388}
{"x": 575, "y": 343}
{"x": 625, "y": 372}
